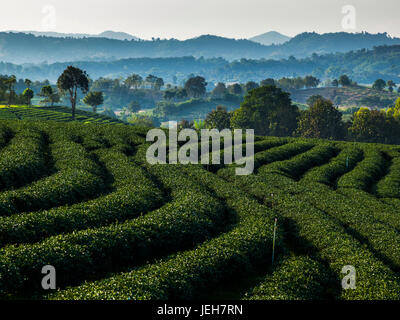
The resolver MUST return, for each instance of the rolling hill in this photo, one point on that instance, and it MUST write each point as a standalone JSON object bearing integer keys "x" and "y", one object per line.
{"x": 269, "y": 38}
{"x": 56, "y": 113}
{"x": 363, "y": 66}
{"x": 349, "y": 96}
{"x": 83, "y": 198}
{"x": 55, "y": 49}
{"x": 105, "y": 34}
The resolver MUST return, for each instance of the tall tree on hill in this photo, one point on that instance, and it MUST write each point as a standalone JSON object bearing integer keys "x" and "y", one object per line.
{"x": 28, "y": 95}
{"x": 94, "y": 99}
{"x": 251, "y": 85}
{"x": 218, "y": 119}
{"x": 10, "y": 83}
{"x": 219, "y": 91}
{"x": 151, "y": 80}
{"x": 72, "y": 80}
{"x": 390, "y": 85}
{"x": 370, "y": 126}
{"x": 235, "y": 89}
{"x": 49, "y": 95}
{"x": 379, "y": 84}
{"x": 322, "y": 120}
{"x": 28, "y": 83}
{"x": 158, "y": 84}
{"x": 344, "y": 81}
{"x": 311, "y": 82}
{"x": 196, "y": 86}
{"x": 133, "y": 80}
{"x": 268, "y": 110}
{"x": 267, "y": 82}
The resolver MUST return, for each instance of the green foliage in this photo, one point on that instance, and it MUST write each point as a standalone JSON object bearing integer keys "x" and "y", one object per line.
{"x": 219, "y": 119}
{"x": 321, "y": 120}
{"x": 379, "y": 84}
{"x": 70, "y": 81}
{"x": 268, "y": 110}
{"x": 94, "y": 99}
{"x": 196, "y": 87}
{"x": 83, "y": 198}
{"x": 374, "y": 126}
{"x": 28, "y": 95}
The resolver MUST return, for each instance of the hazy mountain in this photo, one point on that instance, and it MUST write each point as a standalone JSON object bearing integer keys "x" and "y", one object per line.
{"x": 117, "y": 35}
{"x": 27, "y": 48}
{"x": 363, "y": 66}
{"x": 106, "y": 34}
{"x": 305, "y": 44}
{"x": 271, "y": 37}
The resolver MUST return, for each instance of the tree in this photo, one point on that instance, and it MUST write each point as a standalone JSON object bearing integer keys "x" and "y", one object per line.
{"x": 158, "y": 84}
{"x": 390, "y": 85}
{"x": 134, "y": 80}
{"x": 169, "y": 94}
{"x": 335, "y": 83}
{"x": 10, "y": 83}
{"x": 94, "y": 99}
{"x": 235, "y": 89}
{"x": 369, "y": 126}
{"x": 46, "y": 92}
{"x": 28, "y": 83}
{"x": 344, "y": 81}
{"x": 72, "y": 80}
{"x": 151, "y": 80}
{"x": 196, "y": 87}
{"x": 268, "y": 110}
{"x": 251, "y": 85}
{"x": 267, "y": 82}
{"x": 141, "y": 120}
{"x": 379, "y": 84}
{"x": 28, "y": 95}
{"x": 218, "y": 119}
{"x": 219, "y": 91}
{"x": 49, "y": 95}
{"x": 312, "y": 99}
{"x": 134, "y": 107}
{"x": 322, "y": 120}
{"x": 311, "y": 82}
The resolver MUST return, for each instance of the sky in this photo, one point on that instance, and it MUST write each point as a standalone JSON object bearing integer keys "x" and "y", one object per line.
{"x": 183, "y": 19}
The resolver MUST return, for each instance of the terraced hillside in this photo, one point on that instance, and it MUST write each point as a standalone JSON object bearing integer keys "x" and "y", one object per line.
{"x": 59, "y": 114}
{"x": 83, "y": 199}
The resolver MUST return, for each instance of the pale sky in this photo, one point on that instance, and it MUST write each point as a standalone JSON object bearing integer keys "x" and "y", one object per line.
{"x": 183, "y": 19}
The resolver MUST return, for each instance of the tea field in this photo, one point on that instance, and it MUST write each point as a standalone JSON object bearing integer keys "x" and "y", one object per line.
{"x": 56, "y": 113}
{"x": 82, "y": 198}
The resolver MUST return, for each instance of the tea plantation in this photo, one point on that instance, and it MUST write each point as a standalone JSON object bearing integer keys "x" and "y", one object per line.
{"x": 56, "y": 113}
{"x": 82, "y": 198}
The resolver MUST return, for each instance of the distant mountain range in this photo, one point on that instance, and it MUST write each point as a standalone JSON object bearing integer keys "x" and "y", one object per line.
{"x": 106, "y": 34}
{"x": 27, "y": 48}
{"x": 363, "y": 66}
{"x": 270, "y": 38}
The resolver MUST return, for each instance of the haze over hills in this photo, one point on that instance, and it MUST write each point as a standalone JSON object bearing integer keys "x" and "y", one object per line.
{"x": 26, "y": 48}
{"x": 271, "y": 37}
{"x": 106, "y": 34}
{"x": 363, "y": 66}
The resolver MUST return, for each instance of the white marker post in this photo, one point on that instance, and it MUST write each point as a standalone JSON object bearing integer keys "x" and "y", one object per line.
{"x": 273, "y": 242}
